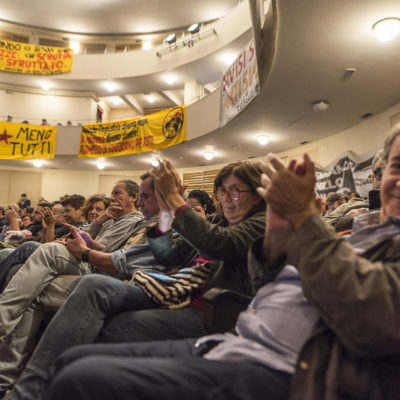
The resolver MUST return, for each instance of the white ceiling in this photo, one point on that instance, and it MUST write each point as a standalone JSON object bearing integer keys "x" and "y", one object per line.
{"x": 316, "y": 41}
{"x": 112, "y": 16}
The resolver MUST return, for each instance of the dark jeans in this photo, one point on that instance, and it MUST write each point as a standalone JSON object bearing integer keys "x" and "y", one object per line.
{"x": 104, "y": 309}
{"x": 14, "y": 261}
{"x": 164, "y": 370}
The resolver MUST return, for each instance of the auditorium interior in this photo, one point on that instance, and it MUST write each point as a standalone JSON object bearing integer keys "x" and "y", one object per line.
{"x": 327, "y": 85}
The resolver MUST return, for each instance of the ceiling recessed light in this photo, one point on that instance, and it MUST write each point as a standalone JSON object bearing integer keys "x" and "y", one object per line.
{"x": 146, "y": 45}
{"x": 74, "y": 45}
{"x": 101, "y": 164}
{"x": 110, "y": 86}
{"x": 208, "y": 155}
{"x": 154, "y": 163}
{"x": 170, "y": 79}
{"x": 171, "y": 38}
{"x": 194, "y": 28}
{"x": 38, "y": 163}
{"x": 151, "y": 99}
{"x": 320, "y": 105}
{"x": 263, "y": 139}
{"x": 45, "y": 85}
{"x": 116, "y": 101}
{"x": 386, "y": 29}
{"x": 228, "y": 58}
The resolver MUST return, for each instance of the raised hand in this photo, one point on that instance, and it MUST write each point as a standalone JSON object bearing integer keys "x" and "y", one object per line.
{"x": 168, "y": 183}
{"x": 47, "y": 217}
{"x": 289, "y": 191}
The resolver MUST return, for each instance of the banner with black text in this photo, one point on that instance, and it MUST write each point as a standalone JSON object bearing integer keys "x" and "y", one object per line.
{"x": 26, "y": 142}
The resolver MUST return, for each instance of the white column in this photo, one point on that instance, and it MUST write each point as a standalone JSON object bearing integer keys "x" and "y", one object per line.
{"x": 193, "y": 92}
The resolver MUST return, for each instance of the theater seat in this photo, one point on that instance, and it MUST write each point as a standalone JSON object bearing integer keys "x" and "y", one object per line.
{"x": 222, "y": 306}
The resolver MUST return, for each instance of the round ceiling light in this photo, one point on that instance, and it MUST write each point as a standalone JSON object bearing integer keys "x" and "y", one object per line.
{"x": 101, "y": 164}
{"x": 154, "y": 163}
{"x": 45, "y": 85}
{"x": 170, "y": 79}
{"x": 116, "y": 101}
{"x": 110, "y": 86}
{"x": 146, "y": 45}
{"x": 74, "y": 45}
{"x": 38, "y": 163}
{"x": 386, "y": 29}
{"x": 208, "y": 155}
{"x": 263, "y": 139}
{"x": 320, "y": 105}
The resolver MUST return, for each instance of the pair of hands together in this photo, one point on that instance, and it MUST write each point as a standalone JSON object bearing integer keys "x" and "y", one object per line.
{"x": 168, "y": 190}
{"x": 288, "y": 191}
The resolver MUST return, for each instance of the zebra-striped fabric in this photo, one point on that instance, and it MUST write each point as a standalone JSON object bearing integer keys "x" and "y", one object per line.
{"x": 171, "y": 291}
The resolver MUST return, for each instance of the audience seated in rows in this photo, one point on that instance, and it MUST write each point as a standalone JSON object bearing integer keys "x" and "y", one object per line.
{"x": 323, "y": 325}
{"x": 227, "y": 241}
{"x": 54, "y": 228}
{"x": 19, "y": 313}
{"x": 252, "y": 364}
{"x": 342, "y": 216}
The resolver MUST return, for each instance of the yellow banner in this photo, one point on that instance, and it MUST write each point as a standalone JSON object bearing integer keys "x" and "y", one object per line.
{"x": 26, "y": 142}
{"x": 26, "y": 58}
{"x": 155, "y": 131}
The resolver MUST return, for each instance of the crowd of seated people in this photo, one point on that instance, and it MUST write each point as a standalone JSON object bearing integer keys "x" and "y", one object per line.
{"x": 128, "y": 287}
{"x": 346, "y": 209}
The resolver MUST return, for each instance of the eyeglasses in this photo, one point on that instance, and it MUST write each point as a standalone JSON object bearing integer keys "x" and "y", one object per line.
{"x": 378, "y": 173}
{"x": 234, "y": 192}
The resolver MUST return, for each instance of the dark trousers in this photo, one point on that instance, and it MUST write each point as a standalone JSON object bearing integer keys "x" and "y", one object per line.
{"x": 172, "y": 370}
{"x": 10, "y": 266}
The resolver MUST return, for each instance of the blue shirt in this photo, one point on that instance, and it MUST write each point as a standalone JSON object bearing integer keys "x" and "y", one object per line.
{"x": 274, "y": 327}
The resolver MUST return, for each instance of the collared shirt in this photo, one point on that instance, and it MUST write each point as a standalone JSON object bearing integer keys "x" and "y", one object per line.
{"x": 273, "y": 328}
{"x": 369, "y": 236}
{"x": 115, "y": 232}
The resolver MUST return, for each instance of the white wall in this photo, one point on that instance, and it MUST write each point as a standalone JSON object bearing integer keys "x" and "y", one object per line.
{"x": 121, "y": 114}
{"x": 34, "y": 107}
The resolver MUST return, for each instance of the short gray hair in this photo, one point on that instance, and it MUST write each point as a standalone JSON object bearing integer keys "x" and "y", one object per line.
{"x": 393, "y": 134}
{"x": 130, "y": 186}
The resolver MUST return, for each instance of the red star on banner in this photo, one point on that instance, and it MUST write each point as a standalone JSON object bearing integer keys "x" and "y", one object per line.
{"x": 4, "y": 136}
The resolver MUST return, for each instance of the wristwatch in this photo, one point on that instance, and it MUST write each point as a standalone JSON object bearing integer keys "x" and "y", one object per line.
{"x": 85, "y": 255}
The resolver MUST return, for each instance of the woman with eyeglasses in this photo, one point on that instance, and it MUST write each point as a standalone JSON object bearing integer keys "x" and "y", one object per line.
{"x": 223, "y": 238}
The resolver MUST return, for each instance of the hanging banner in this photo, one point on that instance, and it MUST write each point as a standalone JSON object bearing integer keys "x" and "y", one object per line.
{"x": 152, "y": 132}
{"x": 25, "y": 58}
{"x": 240, "y": 84}
{"x": 26, "y": 142}
{"x": 348, "y": 173}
